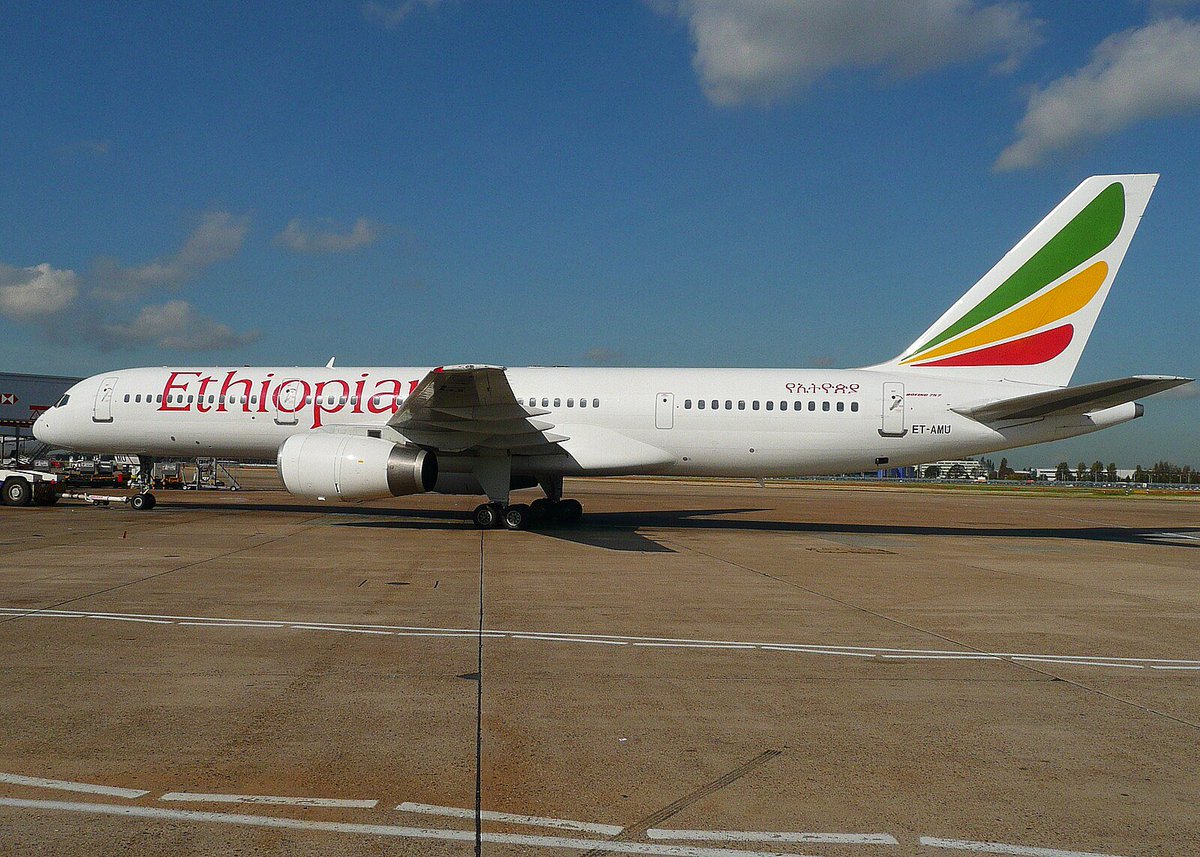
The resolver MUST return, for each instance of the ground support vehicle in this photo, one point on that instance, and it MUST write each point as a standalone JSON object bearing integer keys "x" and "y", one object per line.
{"x": 21, "y": 487}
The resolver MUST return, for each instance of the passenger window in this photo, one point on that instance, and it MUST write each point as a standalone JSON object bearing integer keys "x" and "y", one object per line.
{"x": 754, "y": 405}
{"x": 715, "y": 404}
{"x": 854, "y": 406}
{"x": 583, "y": 403}
{"x": 189, "y": 401}
{"x": 595, "y": 403}
{"x": 254, "y": 400}
{"x": 782, "y": 405}
{"x": 812, "y": 406}
{"x": 158, "y": 398}
{"x": 841, "y": 406}
{"x": 570, "y": 403}
{"x": 728, "y": 405}
{"x": 824, "y": 406}
{"x": 741, "y": 406}
{"x": 127, "y": 397}
{"x": 770, "y": 406}
{"x": 558, "y": 403}
{"x": 138, "y": 398}
{"x": 687, "y": 404}
{"x": 545, "y": 403}
{"x": 700, "y": 404}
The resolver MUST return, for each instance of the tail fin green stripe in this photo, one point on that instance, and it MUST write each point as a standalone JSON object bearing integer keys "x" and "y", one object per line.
{"x": 1093, "y": 229}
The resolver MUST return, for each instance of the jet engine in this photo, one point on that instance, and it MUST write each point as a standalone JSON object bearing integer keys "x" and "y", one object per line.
{"x": 350, "y": 467}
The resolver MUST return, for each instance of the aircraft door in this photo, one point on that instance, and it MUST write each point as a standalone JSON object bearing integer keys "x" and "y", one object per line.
{"x": 664, "y": 410}
{"x": 102, "y": 410}
{"x": 893, "y": 410}
{"x": 287, "y": 403}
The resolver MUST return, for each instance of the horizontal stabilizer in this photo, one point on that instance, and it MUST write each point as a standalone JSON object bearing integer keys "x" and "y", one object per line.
{"x": 1072, "y": 400}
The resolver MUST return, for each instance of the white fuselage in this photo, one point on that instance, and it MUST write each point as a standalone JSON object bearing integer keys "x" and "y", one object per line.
{"x": 754, "y": 422}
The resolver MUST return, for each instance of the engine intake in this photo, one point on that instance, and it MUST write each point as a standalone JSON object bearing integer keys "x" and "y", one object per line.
{"x": 350, "y": 467}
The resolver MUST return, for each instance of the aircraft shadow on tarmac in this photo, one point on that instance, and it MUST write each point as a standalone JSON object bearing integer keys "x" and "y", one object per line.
{"x": 623, "y": 531}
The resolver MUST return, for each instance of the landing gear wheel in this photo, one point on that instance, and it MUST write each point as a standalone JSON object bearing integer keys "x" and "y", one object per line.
{"x": 517, "y": 517}
{"x": 17, "y": 492}
{"x": 540, "y": 510}
{"x": 486, "y": 516}
{"x": 142, "y": 502}
{"x": 570, "y": 511}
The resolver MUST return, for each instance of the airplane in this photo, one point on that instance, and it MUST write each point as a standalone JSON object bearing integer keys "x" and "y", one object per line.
{"x": 992, "y": 373}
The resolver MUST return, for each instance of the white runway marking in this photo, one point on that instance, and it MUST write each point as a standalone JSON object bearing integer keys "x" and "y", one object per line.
{"x": 68, "y": 786}
{"x": 568, "y": 639}
{"x": 804, "y": 651}
{"x": 341, "y": 630}
{"x": 233, "y": 624}
{"x": 1002, "y": 848}
{"x": 532, "y": 820}
{"x": 617, "y": 640}
{"x": 773, "y": 836}
{"x": 1080, "y": 663}
{"x": 530, "y": 840}
{"x": 275, "y": 800}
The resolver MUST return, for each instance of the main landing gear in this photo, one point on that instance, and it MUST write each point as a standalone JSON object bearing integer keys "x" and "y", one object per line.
{"x": 521, "y": 517}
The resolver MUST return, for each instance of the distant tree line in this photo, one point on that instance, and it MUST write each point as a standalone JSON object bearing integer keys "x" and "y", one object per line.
{"x": 1162, "y": 472}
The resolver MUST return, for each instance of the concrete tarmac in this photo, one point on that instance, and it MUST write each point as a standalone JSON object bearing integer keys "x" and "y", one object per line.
{"x": 696, "y": 669}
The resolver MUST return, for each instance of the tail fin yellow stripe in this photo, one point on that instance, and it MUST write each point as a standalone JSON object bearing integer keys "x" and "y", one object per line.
{"x": 1063, "y": 300}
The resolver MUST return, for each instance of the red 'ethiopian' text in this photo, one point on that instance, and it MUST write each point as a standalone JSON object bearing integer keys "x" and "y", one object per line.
{"x": 199, "y": 393}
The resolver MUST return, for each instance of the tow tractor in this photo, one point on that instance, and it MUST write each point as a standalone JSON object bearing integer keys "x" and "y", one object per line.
{"x": 33, "y": 487}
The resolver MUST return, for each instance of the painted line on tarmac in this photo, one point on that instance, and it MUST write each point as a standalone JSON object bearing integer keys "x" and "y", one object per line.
{"x": 274, "y": 800}
{"x": 1028, "y": 658}
{"x": 525, "y": 839}
{"x": 773, "y": 836}
{"x": 870, "y": 652}
{"x": 511, "y": 818}
{"x": 567, "y": 640}
{"x": 1002, "y": 848}
{"x": 69, "y": 786}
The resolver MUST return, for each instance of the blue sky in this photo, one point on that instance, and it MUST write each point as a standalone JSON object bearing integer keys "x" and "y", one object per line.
{"x": 730, "y": 182}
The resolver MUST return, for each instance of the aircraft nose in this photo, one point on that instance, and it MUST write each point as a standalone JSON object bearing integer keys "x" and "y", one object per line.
{"x": 42, "y": 430}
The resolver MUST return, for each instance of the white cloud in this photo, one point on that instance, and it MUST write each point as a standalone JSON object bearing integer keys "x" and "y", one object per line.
{"x": 175, "y": 325}
{"x": 601, "y": 356}
{"x": 391, "y": 16}
{"x": 1184, "y": 391}
{"x": 218, "y": 237}
{"x": 298, "y": 237}
{"x": 37, "y": 293}
{"x": 1138, "y": 74}
{"x": 763, "y": 50}
{"x": 98, "y": 148}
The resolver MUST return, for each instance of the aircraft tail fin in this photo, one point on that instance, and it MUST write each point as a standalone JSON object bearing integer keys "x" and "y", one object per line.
{"x": 1029, "y": 317}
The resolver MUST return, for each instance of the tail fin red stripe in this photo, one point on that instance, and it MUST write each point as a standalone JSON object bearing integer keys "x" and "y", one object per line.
{"x": 1027, "y": 351}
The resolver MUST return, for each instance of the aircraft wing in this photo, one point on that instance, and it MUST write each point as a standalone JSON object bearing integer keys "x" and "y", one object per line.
{"x": 459, "y": 408}
{"x": 1072, "y": 400}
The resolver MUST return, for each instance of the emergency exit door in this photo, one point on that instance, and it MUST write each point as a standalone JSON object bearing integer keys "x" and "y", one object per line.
{"x": 893, "y": 424}
{"x": 664, "y": 411}
{"x": 102, "y": 410}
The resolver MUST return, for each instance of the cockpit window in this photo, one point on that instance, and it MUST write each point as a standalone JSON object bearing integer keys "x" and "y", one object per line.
{"x": 62, "y": 403}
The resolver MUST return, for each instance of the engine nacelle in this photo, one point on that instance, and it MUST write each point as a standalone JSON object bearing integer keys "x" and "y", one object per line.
{"x": 350, "y": 467}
